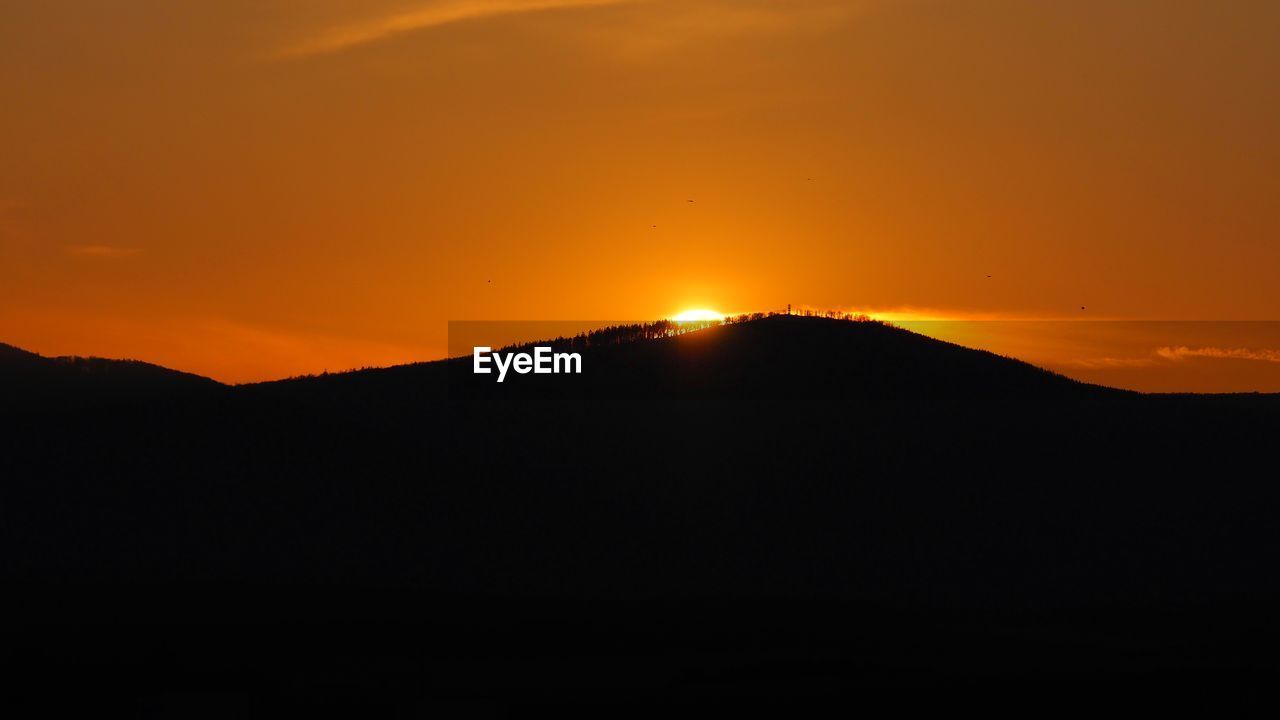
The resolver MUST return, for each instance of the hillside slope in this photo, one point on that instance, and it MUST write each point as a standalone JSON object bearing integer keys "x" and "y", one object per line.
{"x": 782, "y": 456}
{"x": 36, "y": 384}
{"x": 846, "y": 503}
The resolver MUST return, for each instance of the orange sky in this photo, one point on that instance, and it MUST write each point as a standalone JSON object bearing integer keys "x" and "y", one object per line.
{"x": 256, "y": 188}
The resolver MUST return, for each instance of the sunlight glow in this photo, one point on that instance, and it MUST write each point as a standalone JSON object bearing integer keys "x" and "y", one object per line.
{"x": 700, "y": 315}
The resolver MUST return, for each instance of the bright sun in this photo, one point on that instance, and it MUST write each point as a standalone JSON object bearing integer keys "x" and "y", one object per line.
{"x": 698, "y": 316}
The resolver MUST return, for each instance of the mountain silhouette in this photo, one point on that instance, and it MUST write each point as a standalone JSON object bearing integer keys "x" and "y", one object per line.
{"x": 35, "y": 383}
{"x": 793, "y": 480}
{"x": 692, "y": 446}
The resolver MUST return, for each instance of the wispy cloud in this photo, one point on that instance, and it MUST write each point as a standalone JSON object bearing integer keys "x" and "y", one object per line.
{"x": 1177, "y": 353}
{"x": 684, "y": 23}
{"x": 102, "y": 251}
{"x": 919, "y": 314}
{"x": 1183, "y": 352}
{"x": 1110, "y": 362}
{"x": 343, "y": 37}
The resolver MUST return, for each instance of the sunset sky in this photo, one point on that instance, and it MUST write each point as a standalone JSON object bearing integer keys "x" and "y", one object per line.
{"x": 250, "y": 189}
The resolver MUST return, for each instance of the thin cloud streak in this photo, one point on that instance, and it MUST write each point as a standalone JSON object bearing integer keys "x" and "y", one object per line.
{"x": 1178, "y": 353}
{"x": 1110, "y": 363}
{"x": 344, "y": 37}
{"x": 1182, "y": 352}
{"x": 917, "y": 314}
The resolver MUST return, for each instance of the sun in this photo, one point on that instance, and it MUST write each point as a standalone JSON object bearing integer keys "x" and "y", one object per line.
{"x": 700, "y": 315}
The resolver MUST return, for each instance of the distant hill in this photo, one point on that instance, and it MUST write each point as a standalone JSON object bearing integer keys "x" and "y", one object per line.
{"x": 804, "y": 477}
{"x": 696, "y": 430}
{"x": 32, "y": 382}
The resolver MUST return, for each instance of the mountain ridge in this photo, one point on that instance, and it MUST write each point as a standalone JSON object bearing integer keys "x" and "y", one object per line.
{"x": 11, "y": 356}
{"x": 778, "y": 481}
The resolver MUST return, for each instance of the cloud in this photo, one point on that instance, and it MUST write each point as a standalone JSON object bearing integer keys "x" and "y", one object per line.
{"x": 1177, "y": 354}
{"x": 343, "y": 37}
{"x": 1111, "y": 362}
{"x": 101, "y": 251}
{"x": 1183, "y": 352}
{"x": 683, "y": 23}
{"x": 918, "y": 314}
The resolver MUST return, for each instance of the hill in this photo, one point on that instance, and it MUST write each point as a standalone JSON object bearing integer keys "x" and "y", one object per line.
{"x": 33, "y": 383}
{"x": 762, "y": 457}
{"x": 800, "y": 482}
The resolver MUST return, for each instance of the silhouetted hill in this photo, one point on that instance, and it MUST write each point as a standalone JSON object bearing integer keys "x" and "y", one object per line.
{"x": 691, "y": 444}
{"x": 33, "y": 383}
{"x": 785, "y": 482}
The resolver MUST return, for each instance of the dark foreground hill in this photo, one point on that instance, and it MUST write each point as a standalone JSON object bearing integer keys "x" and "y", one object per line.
{"x": 784, "y": 505}
{"x": 40, "y": 385}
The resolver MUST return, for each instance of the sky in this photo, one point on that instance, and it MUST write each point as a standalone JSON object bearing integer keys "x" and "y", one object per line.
{"x": 251, "y": 189}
